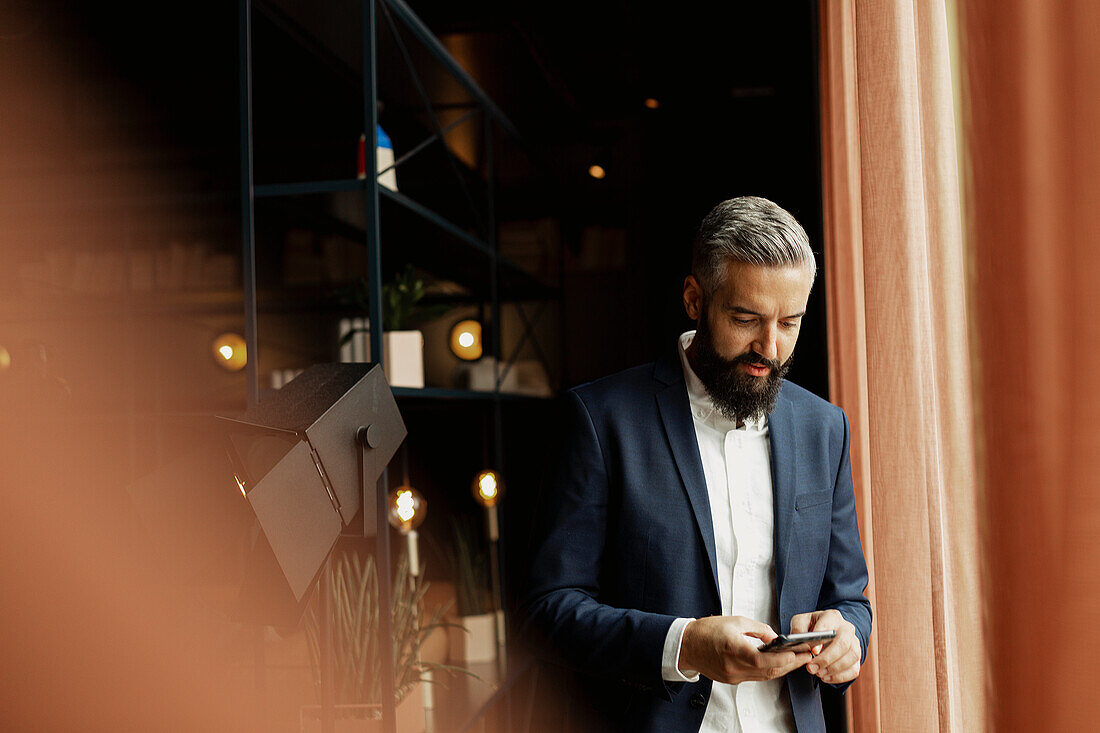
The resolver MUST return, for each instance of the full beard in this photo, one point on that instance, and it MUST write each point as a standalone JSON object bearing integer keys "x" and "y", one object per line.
{"x": 737, "y": 395}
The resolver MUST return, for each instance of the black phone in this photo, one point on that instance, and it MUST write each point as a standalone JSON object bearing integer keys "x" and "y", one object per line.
{"x": 783, "y": 642}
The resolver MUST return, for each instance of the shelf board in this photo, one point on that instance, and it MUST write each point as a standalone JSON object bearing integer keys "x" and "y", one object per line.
{"x": 305, "y": 188}
{"x": 442, "y": 393}
{"x": 230, "y": 301}
{"x": 411, "y": 232}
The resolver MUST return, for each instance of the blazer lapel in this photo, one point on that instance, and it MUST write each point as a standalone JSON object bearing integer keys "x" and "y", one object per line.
{"x": 781, "y": 433}
{"x": 672, "y": 401}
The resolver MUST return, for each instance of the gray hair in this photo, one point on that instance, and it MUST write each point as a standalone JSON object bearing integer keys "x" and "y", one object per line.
{"x": 752, "y": 230}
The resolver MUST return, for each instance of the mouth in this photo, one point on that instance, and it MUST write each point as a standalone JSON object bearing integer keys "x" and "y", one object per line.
{"x": 757, "y": 370}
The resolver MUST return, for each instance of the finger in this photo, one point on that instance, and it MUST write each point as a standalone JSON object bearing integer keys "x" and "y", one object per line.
{"x": 765, "y": 634}
{"x": 826, "y": 620}
{"x": 846, "y": 675}
{"x": 833, "y": 651}
{"x": 848, "y": 655}
{"x": 776, "y": 660}
{"x": 758, "y": 629}
{"x": 800, "y": 661}
{"x": 800, "y": 624}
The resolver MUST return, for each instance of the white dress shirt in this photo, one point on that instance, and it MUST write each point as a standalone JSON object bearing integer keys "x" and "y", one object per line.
{"x": 737, "y": 469}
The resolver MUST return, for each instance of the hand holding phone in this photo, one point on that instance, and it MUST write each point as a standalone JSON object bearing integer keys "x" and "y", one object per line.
{"x": 783, "y": 642}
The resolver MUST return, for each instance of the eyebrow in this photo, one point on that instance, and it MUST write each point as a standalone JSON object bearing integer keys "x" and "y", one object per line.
{"x": 739, "y": 309}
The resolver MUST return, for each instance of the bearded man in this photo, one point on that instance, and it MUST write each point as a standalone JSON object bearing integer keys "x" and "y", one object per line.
{"x": 703, "y": 504}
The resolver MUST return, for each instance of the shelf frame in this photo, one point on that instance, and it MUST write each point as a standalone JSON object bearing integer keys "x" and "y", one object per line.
{"x": 484, "y": 243}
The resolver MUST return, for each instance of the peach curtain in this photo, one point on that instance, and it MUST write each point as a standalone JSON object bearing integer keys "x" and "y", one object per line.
{"x": 1033, "y": 142}
{"x": 899, "y": 356}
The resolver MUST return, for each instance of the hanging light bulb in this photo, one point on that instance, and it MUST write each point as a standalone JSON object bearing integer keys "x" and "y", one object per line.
{"x": 488, "y": 488}
{"x": 597, "y": 171}
{"x": 407, "y": 509}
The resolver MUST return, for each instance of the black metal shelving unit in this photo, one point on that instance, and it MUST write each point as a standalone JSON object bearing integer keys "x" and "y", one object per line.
{"x": 470, "y": 253}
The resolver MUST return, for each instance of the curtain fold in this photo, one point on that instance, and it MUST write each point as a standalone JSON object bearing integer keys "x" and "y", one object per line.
{"x": 899, "y": 356}
{"x": 1033, "y": 116}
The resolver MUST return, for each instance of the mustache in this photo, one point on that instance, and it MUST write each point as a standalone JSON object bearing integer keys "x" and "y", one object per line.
{"x": 751, "y": 357}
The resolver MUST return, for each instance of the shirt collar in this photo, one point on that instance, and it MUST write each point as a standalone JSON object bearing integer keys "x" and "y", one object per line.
{"x": 702, "y": 406}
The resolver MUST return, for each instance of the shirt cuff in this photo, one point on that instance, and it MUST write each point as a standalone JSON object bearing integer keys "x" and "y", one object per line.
{"x": 670, "y": 669}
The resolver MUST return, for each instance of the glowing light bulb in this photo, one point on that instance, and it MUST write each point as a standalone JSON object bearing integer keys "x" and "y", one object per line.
{"x": 229, "y": 352}
{"x": 487, "y": 488}
{"x": 466, "y": 341}
{"x": 5, "y": 359}
{"x": 407, "y": 509}
{"x": 597, "y": 172}
{"x": 652, "y": 103}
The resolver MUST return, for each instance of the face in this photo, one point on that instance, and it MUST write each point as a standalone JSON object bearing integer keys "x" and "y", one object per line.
{"x": 746, "y": 333}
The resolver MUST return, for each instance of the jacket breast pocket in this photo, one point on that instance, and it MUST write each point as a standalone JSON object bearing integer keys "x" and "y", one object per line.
{"x": 812, "y": 499}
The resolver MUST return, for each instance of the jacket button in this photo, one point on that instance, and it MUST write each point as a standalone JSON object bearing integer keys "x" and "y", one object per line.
{"x": 697, "y": 701}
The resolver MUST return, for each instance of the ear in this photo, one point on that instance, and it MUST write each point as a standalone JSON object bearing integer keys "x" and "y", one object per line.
{"x": 693, "y": 298}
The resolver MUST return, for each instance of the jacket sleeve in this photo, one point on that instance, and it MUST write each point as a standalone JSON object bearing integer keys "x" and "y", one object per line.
{"x": 561, "y": 605}
{"x": 846, "y": 573}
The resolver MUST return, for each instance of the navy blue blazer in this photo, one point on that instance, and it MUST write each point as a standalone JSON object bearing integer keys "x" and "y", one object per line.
{"x": 627, "y": 543}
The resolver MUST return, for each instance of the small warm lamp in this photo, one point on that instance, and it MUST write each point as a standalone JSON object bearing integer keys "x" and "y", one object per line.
{"x": 488, "y": 489}
{"x": 652, "y": 103}
{"x": 466, "y": 342}
{"x": 407, "y": 511}
{"x": 597, "y": 171}
{"x": 408, "y": 508}
{"x": 229, "y": 352}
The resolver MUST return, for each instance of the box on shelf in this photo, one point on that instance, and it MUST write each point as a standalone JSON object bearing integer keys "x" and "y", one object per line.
{"x": 525, "y": 377}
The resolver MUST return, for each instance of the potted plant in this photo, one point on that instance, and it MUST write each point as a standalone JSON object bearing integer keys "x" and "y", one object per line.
{"x": 402, "y": 344}
{"x": 353, "y": 587}
{"x": 472, "y": 634}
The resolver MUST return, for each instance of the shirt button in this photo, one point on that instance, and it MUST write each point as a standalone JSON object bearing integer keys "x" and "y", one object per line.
{"x": 697, "y": 701}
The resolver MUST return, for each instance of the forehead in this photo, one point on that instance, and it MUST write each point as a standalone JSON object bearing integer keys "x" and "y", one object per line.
{"x": 763, "y": 287}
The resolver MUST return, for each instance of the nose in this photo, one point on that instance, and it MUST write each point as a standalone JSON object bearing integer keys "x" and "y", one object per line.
{"x": 766, "y": 343}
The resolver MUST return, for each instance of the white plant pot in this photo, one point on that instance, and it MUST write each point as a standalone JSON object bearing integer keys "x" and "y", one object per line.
{"x": 476, "y": 641}
{"x": 365, "y": 718}
{"x": 403, "y": 356}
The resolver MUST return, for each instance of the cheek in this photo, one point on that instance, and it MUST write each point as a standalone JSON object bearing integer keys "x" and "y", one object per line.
{"x": 730, "y": 342}
{"x": 786, "y": 347}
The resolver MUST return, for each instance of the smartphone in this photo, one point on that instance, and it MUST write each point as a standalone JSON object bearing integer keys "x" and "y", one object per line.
{"x": 783, "y": 642}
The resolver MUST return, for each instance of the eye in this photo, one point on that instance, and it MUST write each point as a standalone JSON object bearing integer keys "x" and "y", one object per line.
{"x": 744, "y": 321}
{"x": 789, "y": 325}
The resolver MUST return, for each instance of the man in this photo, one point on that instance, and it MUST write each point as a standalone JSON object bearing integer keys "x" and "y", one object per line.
{"x": 702, "y": 504}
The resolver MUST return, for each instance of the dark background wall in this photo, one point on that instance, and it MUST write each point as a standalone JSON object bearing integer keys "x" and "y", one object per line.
{"x": 153, "y": 98}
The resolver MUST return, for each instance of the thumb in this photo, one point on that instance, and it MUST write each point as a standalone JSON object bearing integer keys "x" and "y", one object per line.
{"x": 800, "y": 624}
{"x": 759, "y": 631}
